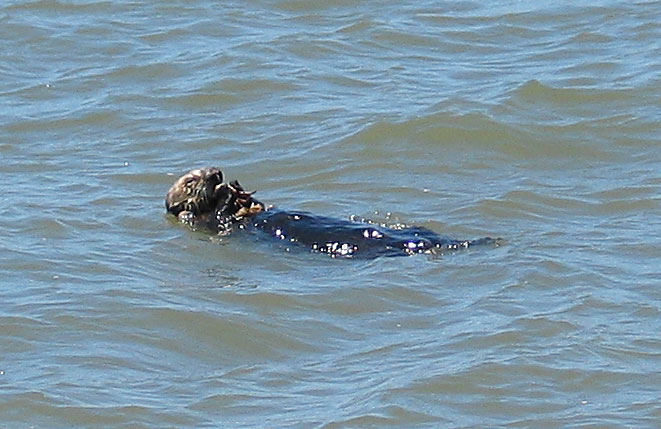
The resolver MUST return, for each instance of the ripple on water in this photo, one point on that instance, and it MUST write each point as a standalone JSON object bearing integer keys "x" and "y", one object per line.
{"x": 535, "y": 123}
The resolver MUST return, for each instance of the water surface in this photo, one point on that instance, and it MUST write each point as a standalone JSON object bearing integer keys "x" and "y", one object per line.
{"x": 538, "y": 124}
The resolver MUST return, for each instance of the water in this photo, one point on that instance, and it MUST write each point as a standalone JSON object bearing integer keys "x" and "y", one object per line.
{"x": 538, "y": 124}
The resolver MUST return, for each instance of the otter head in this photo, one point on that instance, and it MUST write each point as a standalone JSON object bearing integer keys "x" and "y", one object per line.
{"x": 201, "y": 195}
{"x": 196, "y": 192}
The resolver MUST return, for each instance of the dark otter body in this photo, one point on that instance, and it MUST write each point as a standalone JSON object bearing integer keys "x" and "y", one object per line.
{"x": 338, "y": 237}
{"x": 202, "y": 200}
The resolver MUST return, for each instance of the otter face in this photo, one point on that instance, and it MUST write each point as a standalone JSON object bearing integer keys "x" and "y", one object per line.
{"x": 200, "y": 198}
{"x": 196, "y": 192}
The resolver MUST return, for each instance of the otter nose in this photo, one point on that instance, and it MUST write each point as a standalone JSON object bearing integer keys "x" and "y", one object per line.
{"x": 214, "y": 175}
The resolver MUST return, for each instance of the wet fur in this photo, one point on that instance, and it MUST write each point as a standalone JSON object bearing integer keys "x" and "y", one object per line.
{"x": 201, "y": 199}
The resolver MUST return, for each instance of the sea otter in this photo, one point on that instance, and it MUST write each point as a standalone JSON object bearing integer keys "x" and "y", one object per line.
{"x": 202, "y": 200}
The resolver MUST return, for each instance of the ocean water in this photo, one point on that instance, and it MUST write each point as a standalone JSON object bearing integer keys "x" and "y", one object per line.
{"x": 537, "y": 123}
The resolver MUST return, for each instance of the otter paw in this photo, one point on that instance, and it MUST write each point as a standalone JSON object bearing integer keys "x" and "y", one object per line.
{"x": 186, "y": 217}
